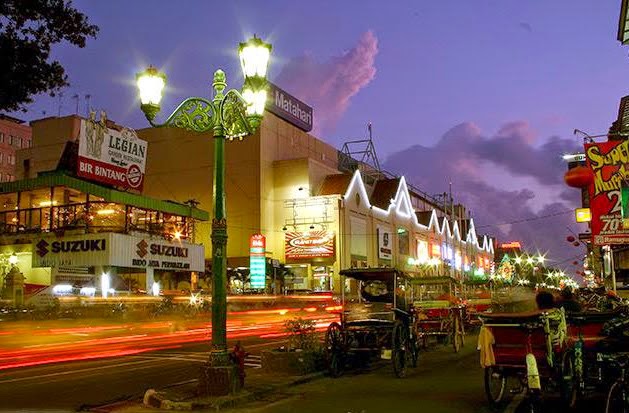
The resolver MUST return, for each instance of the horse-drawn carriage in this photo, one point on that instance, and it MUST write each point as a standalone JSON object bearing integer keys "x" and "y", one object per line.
{"x": 439, "y": 311}
{"x": 375, "y": 321}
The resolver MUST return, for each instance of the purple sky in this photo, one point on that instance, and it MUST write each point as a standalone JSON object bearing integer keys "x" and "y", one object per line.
{"x": 517, "y": 77}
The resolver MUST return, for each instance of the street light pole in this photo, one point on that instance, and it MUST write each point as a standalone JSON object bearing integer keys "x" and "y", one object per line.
{"x": 228, "y": 115}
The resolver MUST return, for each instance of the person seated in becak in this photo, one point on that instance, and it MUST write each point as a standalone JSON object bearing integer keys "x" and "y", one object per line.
{"x": 568, "y": 302}
{"x": 544, "y": 300}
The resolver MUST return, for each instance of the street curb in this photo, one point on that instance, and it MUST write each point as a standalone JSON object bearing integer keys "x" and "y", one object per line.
{"x": 515, "y": 402}
{"x": 157, "y": 399}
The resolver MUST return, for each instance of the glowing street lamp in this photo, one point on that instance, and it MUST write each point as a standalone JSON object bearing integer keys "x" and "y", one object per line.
{"x": 227, "y": 115}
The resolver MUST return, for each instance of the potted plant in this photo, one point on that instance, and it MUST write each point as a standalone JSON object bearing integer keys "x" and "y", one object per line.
{"x": 302, "y": 353}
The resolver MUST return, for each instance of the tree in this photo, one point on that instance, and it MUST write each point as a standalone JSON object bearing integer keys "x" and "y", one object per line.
{"x": 28, "y": 29}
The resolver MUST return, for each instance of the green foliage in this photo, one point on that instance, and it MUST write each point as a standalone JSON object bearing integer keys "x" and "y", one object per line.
{"x": 301, "y": 334}
{"x": 28, "y": 29}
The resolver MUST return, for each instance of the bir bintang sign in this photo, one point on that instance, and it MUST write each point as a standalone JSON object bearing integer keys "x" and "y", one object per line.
{"x": 110, "y": 156}
{"x": 289, "y": 108}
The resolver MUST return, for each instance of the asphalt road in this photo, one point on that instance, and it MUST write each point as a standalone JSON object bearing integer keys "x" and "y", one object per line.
{"x": 444, "y": 382}
{"x": 69, "y": 386}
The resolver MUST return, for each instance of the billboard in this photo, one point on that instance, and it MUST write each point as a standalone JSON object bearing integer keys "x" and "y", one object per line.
{"x": 111, "y": 249}
{"x": 311, "y": 244}
{"x": 110, "y": 156}
{"x": 608, "y": 161}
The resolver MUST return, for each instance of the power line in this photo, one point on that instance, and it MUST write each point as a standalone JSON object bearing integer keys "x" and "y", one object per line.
{"x": 526, "y": 219}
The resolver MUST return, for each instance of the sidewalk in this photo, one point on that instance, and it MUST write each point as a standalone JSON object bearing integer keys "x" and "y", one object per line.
{"x": 181, "y": 396}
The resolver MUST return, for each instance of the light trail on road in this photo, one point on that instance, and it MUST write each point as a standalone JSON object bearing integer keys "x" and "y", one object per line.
{"x": 30, "y": 344}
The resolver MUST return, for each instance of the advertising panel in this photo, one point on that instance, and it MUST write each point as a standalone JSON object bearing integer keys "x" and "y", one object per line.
{"x": 289, "y": 108}
{"x": 110, "y": 156}
{"x": 257, "y": 260}
{"x": 608, "y": 161}
{"x": 385, "y": 251}
{"x": 117, "y": 250}
{"x": 312, "y": 244}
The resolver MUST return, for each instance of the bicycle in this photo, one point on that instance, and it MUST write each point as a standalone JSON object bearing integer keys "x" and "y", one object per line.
{"x": 618, "y": 396}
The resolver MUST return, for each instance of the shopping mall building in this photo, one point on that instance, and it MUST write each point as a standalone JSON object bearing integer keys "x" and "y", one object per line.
{"x": 91, "y": 199}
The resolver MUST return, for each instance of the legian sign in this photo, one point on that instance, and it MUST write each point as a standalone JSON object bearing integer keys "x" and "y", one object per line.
{"x": 608, "y": 161}
{"x": 257, "y": 260}
{"x": 289, "y": 108}
{"x": 117, "y": 250}
{"x": 312, "y": 244}
{"x": 110, "y": 156}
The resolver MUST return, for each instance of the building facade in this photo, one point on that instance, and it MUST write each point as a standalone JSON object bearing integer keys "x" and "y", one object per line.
{"x": 85, "y": 236}
{"x": 15, "y": 135}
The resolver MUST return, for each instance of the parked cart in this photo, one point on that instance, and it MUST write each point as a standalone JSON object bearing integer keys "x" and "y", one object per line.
{"x": 527, "y": 346}
{"x": 439, "y": 311}
{"x": 375, "y": 321}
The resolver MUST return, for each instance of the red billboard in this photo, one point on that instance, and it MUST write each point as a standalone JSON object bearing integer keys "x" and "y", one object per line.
{"x": 608, "y": 161}
{"x": 110, "y": 156}
{"x": 312, "y": 244}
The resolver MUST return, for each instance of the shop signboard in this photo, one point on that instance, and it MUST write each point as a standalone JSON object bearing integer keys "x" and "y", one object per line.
{"x": 384, "y": 244}
{"x": 117, "y": 250}
{"x": 422, "y": 251}
{"x": 86, "y": 250}
{"x": 308, "y": 245}
{"x": 257, "y": 260}
{"x": 608, "y": 161}
{"x": 110, "y": 156}
{"x": 289, "y": 108}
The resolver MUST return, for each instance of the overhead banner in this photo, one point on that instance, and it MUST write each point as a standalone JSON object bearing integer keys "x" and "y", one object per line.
{"x": 311, "y": 244}
{"x": 110, "y": 156}
{"x": 608, "y": 161}
{"x": 117, "y": 250}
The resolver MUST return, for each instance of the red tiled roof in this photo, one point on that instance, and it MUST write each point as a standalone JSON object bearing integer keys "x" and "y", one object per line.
{"x": 335, "y": 184}
{"x": 384, "y": 192}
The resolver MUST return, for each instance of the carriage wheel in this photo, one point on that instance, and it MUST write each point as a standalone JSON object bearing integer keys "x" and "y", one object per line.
{"x": 334, "y": 349}
{"x": 457, "y": 334}
{"x": 413, "y": 350}
{"x": 399, "y": 346}
{"x": 495, "y": 385}
{"x": 616, "y": 399}
{"x": 569, "y": 383}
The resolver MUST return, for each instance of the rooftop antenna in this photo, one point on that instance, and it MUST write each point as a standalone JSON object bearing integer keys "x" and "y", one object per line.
{"x": 361, "y": 154}
{"x": 87, "y": 105}
{"x": 76, "y": 98}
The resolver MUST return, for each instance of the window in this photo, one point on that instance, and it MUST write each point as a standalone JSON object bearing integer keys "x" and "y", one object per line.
{"x": 1, "y": 157}
{"x": 26, "y": 143}
{"x": 11, "y": 159}
{"x": 17, "y": 141}
{"x": 1, "y": 137}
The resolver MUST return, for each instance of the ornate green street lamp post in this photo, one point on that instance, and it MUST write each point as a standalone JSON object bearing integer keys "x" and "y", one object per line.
{"x": 228, "y": 115}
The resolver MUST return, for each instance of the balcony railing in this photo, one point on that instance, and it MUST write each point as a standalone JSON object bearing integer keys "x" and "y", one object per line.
{"x": 94, "y": 217}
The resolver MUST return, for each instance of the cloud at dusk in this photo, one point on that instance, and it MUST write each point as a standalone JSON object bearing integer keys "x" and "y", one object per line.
{"x": 482, "y": 169}
{"x": 328, "y": 86}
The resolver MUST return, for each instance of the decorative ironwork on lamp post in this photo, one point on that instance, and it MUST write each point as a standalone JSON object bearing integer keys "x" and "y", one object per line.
{"x": 228, "y": 115}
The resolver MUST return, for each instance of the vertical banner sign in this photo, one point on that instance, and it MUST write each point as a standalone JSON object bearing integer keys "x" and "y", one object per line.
{"x": 608, "y": 161}
{"x": 257, "y": 260}
{"x": 110, "y": 156}
{"x": 385, "y": 251}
